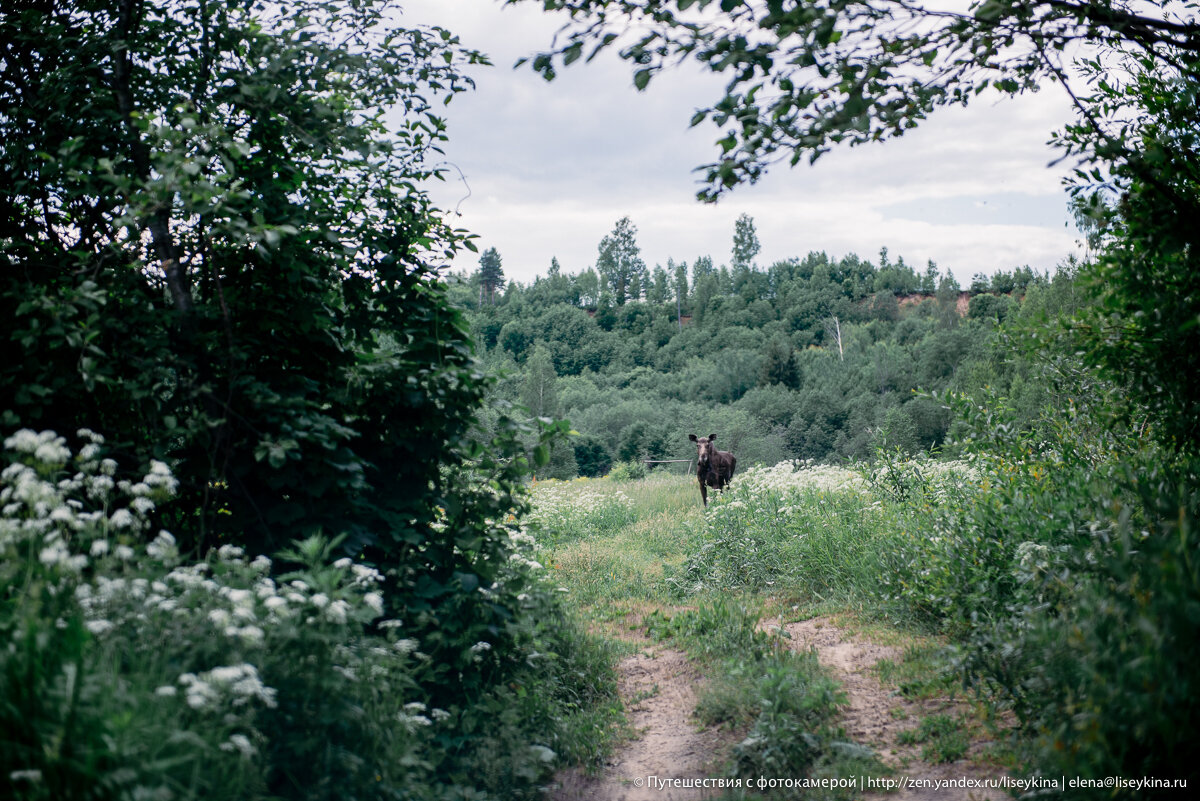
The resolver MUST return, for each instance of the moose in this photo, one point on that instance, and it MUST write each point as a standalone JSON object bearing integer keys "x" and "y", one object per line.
{"x": 714, "y": 468}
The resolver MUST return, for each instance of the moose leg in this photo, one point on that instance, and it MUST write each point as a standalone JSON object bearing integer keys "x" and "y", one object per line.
{"x": 703, "y": 493}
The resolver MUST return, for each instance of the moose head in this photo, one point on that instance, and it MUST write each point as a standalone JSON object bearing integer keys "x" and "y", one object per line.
{"x": 704, "y": 448}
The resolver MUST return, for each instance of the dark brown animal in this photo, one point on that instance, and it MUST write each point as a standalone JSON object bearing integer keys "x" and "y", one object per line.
{"x": 714, "y": 468}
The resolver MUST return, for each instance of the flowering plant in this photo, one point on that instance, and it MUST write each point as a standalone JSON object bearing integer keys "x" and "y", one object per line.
{"x": 129, "y": 668}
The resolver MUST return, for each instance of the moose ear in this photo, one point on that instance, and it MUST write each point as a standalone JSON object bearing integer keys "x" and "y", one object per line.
{"x": 712, "y": 437}
{"x": 692, "y": 437}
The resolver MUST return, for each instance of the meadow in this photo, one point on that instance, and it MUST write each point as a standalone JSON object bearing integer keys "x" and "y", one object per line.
{"x": 1005, "y": 578}
{"x": 641, "y": 560}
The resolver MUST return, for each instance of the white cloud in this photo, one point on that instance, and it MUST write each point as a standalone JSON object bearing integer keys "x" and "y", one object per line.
{"x": 552, "y": 166}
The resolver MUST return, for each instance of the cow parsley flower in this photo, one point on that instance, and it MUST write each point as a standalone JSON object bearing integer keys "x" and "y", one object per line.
{"x": 374, "y": 601}
{"x": 240, "y": 743}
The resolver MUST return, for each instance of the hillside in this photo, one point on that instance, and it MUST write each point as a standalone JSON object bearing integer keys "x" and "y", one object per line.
{"x": 811, "y": 358}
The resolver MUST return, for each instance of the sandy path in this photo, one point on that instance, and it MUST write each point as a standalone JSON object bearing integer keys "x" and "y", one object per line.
{"x": 868, "y": 718}
{"x": 658, "y": 688}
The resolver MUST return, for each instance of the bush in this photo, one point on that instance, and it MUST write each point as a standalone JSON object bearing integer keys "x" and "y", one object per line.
{"x": 628, "y": 471}
{"x": 129, "y": 673}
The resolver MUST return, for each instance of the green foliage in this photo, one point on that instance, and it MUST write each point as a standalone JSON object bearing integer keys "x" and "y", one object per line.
{"x": 793, "y": 528}
{"x": 1137, "y": 132}
{"x": 620, "y": 263}
{"x": 591, "y": 456}
{"x": 628, "y": 471}
{"x": 639, "y": 371}
{"x": 942, "y": 737}
{"x": 223, "y": 260}
{"x": 779, "y": 366}
{"x": 856, "y": 72}
{"x": 745, "y": 243}
{"x": 220, "y": 259}
{"x": 131, "y": 672}
{"x": 491, "y": 275}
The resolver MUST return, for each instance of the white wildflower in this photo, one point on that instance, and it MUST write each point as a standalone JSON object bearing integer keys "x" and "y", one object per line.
{"x": 54, "y": 553}
{"x": 374, "y": 601}
{"x": 364, "y": 575}
{"x": 230, "y": 553}
{"x": 337, "y": 611}
{"x": 32, "y": 775}
{"x": 142, "y": 506}
{"x": 240, "y": 743}
{"x": 163, "y": 547}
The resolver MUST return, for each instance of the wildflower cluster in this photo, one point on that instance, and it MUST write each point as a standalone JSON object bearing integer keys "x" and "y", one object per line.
{"x": 797, "y": 476}
{"x": 568, "y": 510}
{"x": 794, "y": 524}
{"x": 70, "y": 510}
{"x": 217, "y": 651}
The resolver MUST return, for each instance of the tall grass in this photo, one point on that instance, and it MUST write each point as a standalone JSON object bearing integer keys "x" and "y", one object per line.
{"x": 610, "y": 541}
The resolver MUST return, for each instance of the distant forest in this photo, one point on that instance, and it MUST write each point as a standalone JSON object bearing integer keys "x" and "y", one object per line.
{"x": 813, "y": 358}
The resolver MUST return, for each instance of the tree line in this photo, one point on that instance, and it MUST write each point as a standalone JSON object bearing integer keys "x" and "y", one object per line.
{"x": 809, "y": 358}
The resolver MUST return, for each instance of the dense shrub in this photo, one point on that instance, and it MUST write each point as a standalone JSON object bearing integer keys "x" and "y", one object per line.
{"x": 130, "y": 672}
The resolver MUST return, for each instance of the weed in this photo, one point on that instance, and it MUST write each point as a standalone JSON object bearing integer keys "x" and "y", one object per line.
{"x": 944, "y": 738}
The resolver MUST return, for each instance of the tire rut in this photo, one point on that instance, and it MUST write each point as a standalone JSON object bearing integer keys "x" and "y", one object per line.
{"x": 658, "y": 688}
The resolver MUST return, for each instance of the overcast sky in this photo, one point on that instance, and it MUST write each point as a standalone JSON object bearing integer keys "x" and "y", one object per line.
{"x": 551, "y": 167}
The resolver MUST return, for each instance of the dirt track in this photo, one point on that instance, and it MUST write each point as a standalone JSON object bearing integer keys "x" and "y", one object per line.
{"x": 658, "y": 686}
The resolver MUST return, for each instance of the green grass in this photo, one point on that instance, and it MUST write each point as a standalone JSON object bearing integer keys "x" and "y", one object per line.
{"x": 943, "y": 737}
{"x": 643, "y": 558}
{"x": 922, "y": 672}
{"x": 606, "y": 567}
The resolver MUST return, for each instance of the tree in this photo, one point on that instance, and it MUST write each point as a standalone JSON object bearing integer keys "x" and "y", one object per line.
{"x": 620, "y": 263}
{"x": 779, "y": 365}
{"x": 1138, "y": 138}
{"x": 217, "y": 255}
{"x": 591, "y": 456}
{"x": 833, "y": 332}
{"x": 929, "y": 281}
{"x": 657, "y": 291}
{"x": 745, "y": 243}
{"x": 807, "y": 76}
{"x": 491, "y": 276}
{"x": 587, "y": 285}
{"x": 538, "y": 392}
{"x": 680, "y": 285}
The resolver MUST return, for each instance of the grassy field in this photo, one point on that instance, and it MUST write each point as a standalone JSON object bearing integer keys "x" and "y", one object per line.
{"x": 643, "y": 560}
